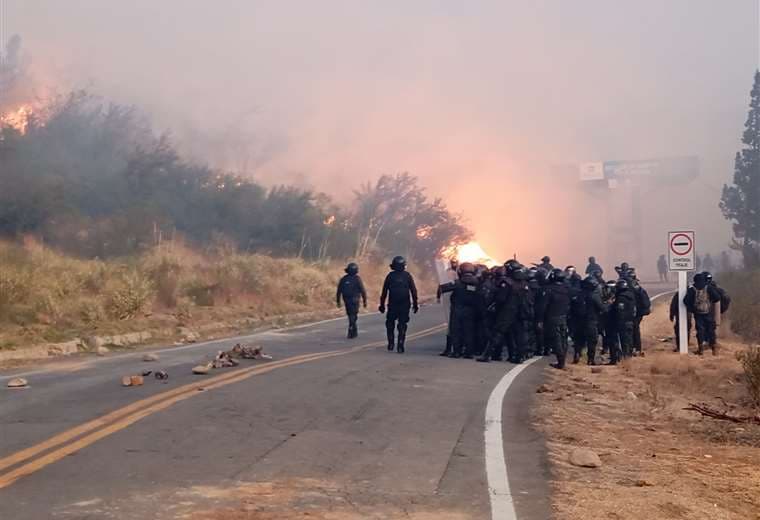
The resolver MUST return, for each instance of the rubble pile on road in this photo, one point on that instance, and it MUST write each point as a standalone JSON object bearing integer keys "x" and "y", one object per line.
{"x": 248, "y": 352}
{"x": 224, "y": 360}
{"x": 229, "y": 358}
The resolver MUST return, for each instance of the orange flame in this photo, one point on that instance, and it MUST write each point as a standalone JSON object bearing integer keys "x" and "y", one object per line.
{"x": 470, "y": 252}
{"x": 18, "y": 118}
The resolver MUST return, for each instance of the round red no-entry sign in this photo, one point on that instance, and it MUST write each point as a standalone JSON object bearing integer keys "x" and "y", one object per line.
{"x": 681, "y": 244}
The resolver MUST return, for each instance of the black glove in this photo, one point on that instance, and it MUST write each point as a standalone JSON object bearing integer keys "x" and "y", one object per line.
{"x": 381, "y": 309}
{"x": 415, "y": 308}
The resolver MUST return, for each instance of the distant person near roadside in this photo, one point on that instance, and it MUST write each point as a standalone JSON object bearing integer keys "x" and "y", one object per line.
{"x": 593, "y": 268}
{"x": 662, "y": 268}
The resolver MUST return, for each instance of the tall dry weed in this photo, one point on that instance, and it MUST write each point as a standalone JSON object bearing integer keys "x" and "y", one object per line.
{"x": 750, "y": 360}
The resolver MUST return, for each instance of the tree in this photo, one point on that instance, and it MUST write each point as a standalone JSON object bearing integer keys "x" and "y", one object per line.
{"x": 394, "y": 216}
{"x": 740, "y": 203}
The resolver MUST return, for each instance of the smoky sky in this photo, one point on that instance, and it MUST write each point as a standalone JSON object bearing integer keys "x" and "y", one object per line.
{"x": 479, "y": 99}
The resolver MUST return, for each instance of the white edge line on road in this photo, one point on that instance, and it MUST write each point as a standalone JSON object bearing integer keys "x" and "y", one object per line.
{"x": 502, "y": 505}
{"x": 499, "y": 493}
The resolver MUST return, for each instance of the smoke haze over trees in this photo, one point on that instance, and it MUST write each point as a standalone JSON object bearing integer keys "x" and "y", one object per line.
{"x": 478, "y": 100}
{"x": 92, "y": 178}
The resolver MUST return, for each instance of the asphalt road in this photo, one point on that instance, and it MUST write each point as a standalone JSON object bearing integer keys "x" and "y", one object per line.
{"x": 357, "y": 432}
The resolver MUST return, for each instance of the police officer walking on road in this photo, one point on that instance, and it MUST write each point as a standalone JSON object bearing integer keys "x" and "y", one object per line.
{"x": 351, "y": 289}
{"x": 401, "y": 294}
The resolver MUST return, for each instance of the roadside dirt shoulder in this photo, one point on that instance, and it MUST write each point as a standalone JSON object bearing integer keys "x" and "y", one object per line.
{"x": 658, "y": 460}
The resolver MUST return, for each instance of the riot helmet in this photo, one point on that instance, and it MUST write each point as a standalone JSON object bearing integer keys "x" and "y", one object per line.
{"x": 466, "y": 268}
{"x": 398, "y": 263}
{"x": 557, "y": 276}
{"x": 352, "y": 268}
{"x": 590, "y": 283}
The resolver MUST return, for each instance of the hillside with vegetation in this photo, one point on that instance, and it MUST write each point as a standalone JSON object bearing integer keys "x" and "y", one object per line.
{"x": 106, "y": 228}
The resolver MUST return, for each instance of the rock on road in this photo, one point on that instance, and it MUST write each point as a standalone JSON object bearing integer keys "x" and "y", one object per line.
{"x": 369, "y": 434}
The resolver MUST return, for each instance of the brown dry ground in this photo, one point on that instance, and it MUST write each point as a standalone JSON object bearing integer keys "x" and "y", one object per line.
{"x": 659, "y": 461}
{"x": 309, "y": 499}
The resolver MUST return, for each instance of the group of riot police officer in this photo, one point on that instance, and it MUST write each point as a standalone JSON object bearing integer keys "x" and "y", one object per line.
{"x": 514, "y": 312}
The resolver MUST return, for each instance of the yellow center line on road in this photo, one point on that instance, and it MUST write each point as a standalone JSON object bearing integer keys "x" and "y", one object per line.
{"x": 128, "y": 415}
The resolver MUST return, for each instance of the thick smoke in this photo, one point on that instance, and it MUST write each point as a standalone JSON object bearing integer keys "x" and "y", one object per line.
{"x": 486, "y": 102}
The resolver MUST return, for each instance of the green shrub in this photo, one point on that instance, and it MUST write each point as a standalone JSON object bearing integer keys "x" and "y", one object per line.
{"x": 128, "y": 300}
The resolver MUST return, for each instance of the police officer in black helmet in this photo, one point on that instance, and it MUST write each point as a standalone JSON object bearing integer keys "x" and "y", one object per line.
{"x": 351, "y": 290}
{"x": 556, "y": 309}
{"x": 467, "y": 305}
{"x": 401, "y": 294}
{"x": 624, "y": 307}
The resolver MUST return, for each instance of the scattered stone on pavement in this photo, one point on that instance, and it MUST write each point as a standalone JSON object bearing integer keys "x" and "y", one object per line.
{"x": 126, "y": 381}
{"x": 150, "y": 357}
{"x": 136, "y": 380}
{"x": 585, "y": 458}
{"x": 161, "y": 375}
{"x": 18, "y": 382}
{"x": 101, "y": 351}
{"x": 202, "y": 369}
{"x": 542, "y": 389}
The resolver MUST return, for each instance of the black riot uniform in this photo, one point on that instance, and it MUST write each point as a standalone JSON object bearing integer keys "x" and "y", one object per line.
{"x": 539, "y": 306}
{"x": 467, "y": 307}
{"x": 351, "y": 290}
{"x": 556, "y": 309}
{"x": 401, "y": 293}
{"x": 643, "y": 307}
{"x": 676, "y": 319}
{"x": 524, "y": 317}
{"x": 610, "y": 341}
{"x": 593, "y": 308}
{"x": 534, "y": 349}
{"x": 487, "y": 290}
{"x": 577, "y": 314}
{"x": 504, "y": 309}
{"x": 624, "y": 316}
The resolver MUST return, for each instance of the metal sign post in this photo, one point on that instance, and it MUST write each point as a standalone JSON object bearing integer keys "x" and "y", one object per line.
{"x": 681, "y": 258}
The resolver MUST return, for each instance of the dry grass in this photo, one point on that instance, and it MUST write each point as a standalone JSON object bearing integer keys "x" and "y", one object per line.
{"x": 48, "y": 297}
{"x": 660, "y": 461}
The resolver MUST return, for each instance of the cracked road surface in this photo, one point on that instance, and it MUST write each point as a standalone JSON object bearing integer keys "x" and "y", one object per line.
{"x": 359, "y": 433}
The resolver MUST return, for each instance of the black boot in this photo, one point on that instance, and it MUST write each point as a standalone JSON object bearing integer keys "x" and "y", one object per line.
{"x": 447, "y": 351}
{"x": 576, "y": 356}
{"x": 391, "y": 338}
{"x": 485, "y": 357}
{"x": 401, "y": 338}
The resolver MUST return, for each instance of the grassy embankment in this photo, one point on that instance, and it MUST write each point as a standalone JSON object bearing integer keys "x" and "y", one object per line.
{"x": 46, "y": 297}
